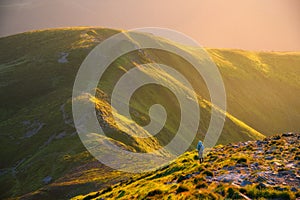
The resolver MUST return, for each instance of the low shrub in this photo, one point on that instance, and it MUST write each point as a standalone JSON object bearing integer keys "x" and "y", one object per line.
{"x": 106, "y": 190}
{"x": 220, "y": 189}
{"x": 122, "y": 193}
{"x": 241, "y": 160}
{"x": 232, "y": 194}
{"x": 196, "y": 157}
{"x": 208, "y": 173}
{"x": 198, "y": 179}
{"x": 201, "y": 185}
{"x": 268, "y": 194}
{"x": 181, "y": 178}
{"x": 210, "y": 196}
{"x": 182, "y": 188}
{"x": 154, "y": 192}
{"x": 91, "y": 196}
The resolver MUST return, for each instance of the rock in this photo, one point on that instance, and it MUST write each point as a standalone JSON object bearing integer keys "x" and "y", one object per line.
{"x": 291, "y": 142}
{"x": 254, "y": 166}
{"x": 232, "y": 177}
{"x": 229, "y": 168}
{"x": 277, "y": 164}
{"x": 292, "y": 180}
{"x": 47, "y": 179}
{"x": 243, "y": 176}
{"x": 273, "y": 148}
{"x": 293, "y": 189}
{"x": 280, "y": 188}
{"x": 261, "y": 179}
{"x": 226, "y": 180}
{"x": 269, "y": 152}
{"x": 288, "y": 134}
{"x": 280, "y": 149}
{"x": 277, "y": 137}
{"x": 285, "y": 172}
{"x": 245, "y": 182}
{"x": 269, "y": 157}
{"x": 259, "y": 142}
{"x": 241, "y": 165}
{"x": 270, "y": 183}
{"x": 63, "y": 58}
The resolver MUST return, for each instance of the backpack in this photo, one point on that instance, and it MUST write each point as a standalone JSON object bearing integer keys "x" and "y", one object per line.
{"x": 200, "y": 146}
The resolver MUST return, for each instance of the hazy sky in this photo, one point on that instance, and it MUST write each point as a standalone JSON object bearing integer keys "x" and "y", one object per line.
{"x": 244, "y": 24}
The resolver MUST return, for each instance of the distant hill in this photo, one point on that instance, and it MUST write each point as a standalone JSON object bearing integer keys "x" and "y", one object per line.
{"x": 262, "y": 88}
{"x": 40, "y": 150}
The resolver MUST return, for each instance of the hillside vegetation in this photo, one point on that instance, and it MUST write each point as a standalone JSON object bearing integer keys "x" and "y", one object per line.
{"x": 262, "y": 169}
{"x": 262, "y": 88}
{"x": 41, "y": 154}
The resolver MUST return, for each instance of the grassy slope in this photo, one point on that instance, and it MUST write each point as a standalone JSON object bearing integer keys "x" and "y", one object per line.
{"x": 34, "y": 86}
{"x": 35, "y": 90}
{"x": 262, "y": 88}
{"x": 236, "y": 171}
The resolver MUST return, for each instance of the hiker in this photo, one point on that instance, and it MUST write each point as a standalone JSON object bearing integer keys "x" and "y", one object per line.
{"x": 200, "y": 148}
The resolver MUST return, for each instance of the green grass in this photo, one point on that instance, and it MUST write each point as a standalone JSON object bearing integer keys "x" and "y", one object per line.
{"x": 268, "y": 193}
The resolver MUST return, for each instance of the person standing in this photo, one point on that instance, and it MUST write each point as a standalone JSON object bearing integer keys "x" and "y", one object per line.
{"x": 200, "y": 148}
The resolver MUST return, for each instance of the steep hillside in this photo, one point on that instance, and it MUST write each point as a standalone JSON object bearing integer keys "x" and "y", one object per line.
{"x": 262, "y": 88}
{"x": 41, "y": 154}
{"x": 267, "y": 169}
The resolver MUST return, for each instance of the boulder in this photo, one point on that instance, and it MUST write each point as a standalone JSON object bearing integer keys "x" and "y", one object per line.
{"x": 245, "y": 182}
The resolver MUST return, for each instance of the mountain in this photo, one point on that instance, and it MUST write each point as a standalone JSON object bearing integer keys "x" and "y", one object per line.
{"x": 267, "y": 169}
{"x": 41, "y": 153}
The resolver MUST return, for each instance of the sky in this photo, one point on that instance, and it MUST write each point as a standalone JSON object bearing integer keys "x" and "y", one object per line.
{"x": 267, "y": 25}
